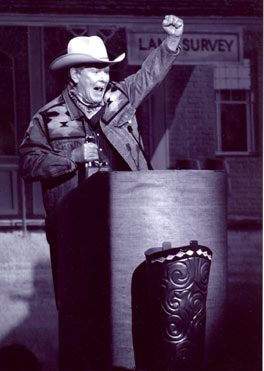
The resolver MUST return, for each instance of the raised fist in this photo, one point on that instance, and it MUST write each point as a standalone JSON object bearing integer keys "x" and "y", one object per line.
{"x": 173, "y": 25}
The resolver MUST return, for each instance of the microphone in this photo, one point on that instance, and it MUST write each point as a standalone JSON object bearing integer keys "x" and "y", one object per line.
{"x": 128, "y": 147}
{"x": 130, "y": 130}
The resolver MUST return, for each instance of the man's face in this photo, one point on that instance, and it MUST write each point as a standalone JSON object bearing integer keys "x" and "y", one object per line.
{"x": 91, "y": 83}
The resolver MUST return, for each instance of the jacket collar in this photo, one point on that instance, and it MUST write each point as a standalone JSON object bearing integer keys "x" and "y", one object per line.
{"x": 74, "y": 111}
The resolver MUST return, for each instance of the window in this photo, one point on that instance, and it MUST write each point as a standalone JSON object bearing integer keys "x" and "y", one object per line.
{"x": 234, "y": 122}
{"x": 7, "y": 112}
{"x": 234, "y": 107}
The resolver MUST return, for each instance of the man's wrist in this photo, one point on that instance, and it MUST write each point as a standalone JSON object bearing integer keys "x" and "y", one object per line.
{"x": 173, "y": 43}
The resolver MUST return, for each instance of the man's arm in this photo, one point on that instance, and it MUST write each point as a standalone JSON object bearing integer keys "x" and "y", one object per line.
{"x": 173, "y": 26}
{"x": 157, "y": 64}
{"x": 38, "y": 160}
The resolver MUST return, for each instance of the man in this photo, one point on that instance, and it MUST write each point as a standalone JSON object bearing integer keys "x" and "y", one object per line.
{"x": 55, "y": 146}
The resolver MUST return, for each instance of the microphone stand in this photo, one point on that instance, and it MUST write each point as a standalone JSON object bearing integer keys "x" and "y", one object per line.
{"x": 130, "y": 130}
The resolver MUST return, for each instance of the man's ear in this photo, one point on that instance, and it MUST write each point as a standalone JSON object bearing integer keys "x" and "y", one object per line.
{"x": 74, "y": 75}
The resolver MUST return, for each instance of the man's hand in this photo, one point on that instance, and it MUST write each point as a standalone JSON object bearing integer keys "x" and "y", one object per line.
{"x": 85, "y": 153}
{"x": 173, "y": 26}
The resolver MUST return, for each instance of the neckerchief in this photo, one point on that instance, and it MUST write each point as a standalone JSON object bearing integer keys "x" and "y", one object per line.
{"x": 89, "y": 110}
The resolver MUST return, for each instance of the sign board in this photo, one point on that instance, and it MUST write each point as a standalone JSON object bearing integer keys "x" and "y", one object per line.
{"x": 197, "y": 47}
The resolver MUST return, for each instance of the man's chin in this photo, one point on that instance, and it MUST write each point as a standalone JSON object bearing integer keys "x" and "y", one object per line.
{"x": 98, "y": 99}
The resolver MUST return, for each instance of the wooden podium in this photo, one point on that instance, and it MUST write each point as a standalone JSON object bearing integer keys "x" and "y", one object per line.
{"x": 105, "y": 226}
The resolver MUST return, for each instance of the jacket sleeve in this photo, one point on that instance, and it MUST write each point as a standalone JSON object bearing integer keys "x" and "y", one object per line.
{"x": 152, "y": 72}
{"x": 38, "y": 160}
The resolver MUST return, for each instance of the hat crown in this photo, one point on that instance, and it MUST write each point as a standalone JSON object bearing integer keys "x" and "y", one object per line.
{"x": 89, "y": 45}
{"x": 84, "y": 50}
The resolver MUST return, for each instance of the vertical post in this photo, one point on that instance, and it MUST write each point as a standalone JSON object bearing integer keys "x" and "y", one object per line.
{"x": 24, "y": 208}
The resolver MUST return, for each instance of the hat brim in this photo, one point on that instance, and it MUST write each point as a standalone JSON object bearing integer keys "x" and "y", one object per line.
{"x": 75, "y": 59}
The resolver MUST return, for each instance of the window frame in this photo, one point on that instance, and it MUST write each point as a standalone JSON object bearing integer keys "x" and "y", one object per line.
{"x": 249, "y": 122}
{"x": 11, "y": 68}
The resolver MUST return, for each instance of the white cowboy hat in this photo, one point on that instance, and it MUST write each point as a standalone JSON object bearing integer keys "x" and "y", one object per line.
{"x": 82, "y": 50}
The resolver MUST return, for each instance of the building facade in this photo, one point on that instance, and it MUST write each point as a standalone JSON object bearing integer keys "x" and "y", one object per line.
{"x": 209, "y": 107}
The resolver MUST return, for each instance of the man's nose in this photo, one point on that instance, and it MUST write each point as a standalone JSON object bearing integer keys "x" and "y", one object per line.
{"x": 104, "y": 75}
